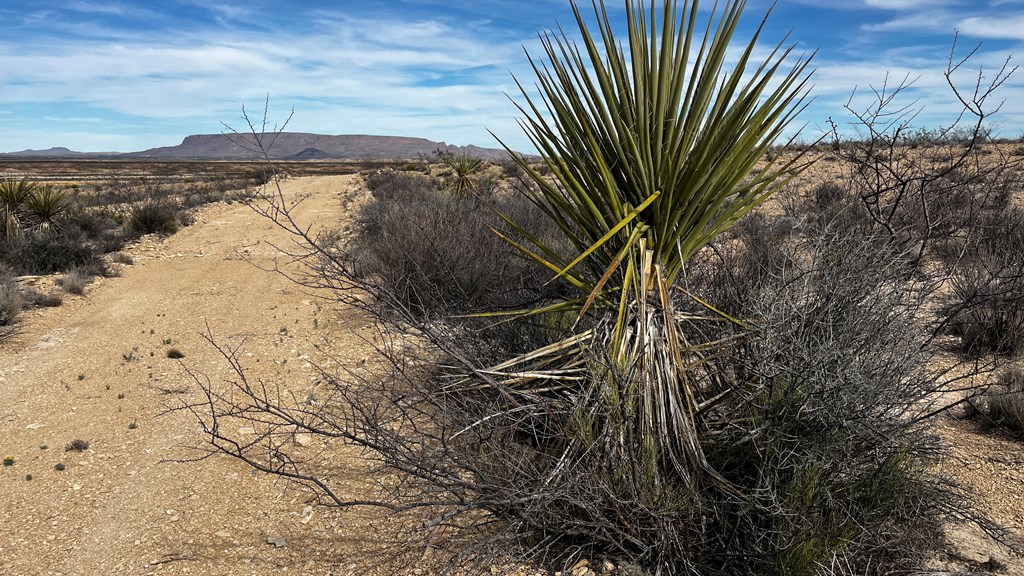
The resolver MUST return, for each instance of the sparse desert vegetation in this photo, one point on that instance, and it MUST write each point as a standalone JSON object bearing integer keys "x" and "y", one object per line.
{"x": 669, "y": 345}
{"x": 668, "y": 371}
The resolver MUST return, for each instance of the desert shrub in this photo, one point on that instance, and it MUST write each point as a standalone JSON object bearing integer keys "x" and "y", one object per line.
{"x": 510, "y": 168}
{"x": 77, "y": 445}
{"x": 10, "y": 300}
{"x": 73, "y": 237}
{"x": 436, "y": 251}
{"x": 836, "y": 206}
{"x": 94, "y": 224}
{"x": 48, "y": 252}
{"x": 989, "y": 317}
{"x": 987, "y": 305}
{"x": 385, "y": 183}
{"x": 745, "y": 259}
{"x": 820, "y": 451}
{"x": 200, "y": 194}
{"x": 153, "y": 217}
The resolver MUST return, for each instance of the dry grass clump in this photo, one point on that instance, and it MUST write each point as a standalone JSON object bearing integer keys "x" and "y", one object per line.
{"x": 122, "y": 258}
{"x": 1003, "y": 403}
{"x": 34, "y": 297}
{"x": 75, "y": 281}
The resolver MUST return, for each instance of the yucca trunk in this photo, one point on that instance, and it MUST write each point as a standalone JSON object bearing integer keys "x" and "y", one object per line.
{"x": 13, "y": 194}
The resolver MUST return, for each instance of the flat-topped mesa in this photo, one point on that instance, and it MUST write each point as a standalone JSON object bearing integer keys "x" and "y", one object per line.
{"x": 299, "y": 145}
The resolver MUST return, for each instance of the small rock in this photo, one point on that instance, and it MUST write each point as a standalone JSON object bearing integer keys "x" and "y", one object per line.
{"x": 276, "y": 542}
{"x": 581, "y": 568}
{"x": 303, "y": 439}
{"x": 307, "y": 515}
{"x": 222, "y": 534}
{"x": 175, "y": 518}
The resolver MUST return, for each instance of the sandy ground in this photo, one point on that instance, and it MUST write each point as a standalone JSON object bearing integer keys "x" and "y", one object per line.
{"x": 96, "y": 369}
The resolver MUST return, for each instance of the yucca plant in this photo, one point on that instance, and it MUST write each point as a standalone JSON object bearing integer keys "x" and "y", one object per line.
{"x": 45, "y": 203}
{"x": 653, "y": 146}
{"x": 13, "y": 194}
{"x": 464, "y": 166}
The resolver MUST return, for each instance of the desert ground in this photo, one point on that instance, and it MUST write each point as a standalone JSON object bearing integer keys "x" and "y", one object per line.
{"x": 141, "y": 500}
{"x": 96, "y": 369}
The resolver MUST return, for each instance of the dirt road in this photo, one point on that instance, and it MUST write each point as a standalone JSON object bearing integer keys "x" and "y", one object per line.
{"x": 97, "y": 370}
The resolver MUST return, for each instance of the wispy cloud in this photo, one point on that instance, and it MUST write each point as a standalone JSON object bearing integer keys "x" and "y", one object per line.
{"x": 994, "y": 27}
{"x": 908, "y": 4}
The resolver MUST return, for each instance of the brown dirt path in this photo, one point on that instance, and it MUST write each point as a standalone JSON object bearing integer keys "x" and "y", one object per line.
{"x": 94, "y": 366}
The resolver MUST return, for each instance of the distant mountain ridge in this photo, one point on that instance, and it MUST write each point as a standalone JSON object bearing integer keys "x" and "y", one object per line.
{"x": 56, "y": 152}
{"x": 279, "y": 146}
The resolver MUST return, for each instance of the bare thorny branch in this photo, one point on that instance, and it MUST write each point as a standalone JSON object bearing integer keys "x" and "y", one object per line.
{"x": 889, "y": 176}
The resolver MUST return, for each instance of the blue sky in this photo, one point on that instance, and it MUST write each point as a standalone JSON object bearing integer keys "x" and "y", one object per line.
{"x": 98, "y": 75}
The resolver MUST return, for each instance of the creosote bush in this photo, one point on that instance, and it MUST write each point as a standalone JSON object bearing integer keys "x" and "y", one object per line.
{"x": 987, "y": 305}
{"x": 153, "y": 217}
{"x": 436, "y": 251}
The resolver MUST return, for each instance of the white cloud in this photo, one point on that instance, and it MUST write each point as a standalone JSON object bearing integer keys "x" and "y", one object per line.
{"x": 1010, "y": 27}
{"x": 907, "y": 4}
{"x": 932, "y": 21}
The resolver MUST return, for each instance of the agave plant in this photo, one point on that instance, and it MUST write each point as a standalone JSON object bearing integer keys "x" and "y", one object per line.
{"x": 13, "y": 194}
{"x": 652, "y": 145}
